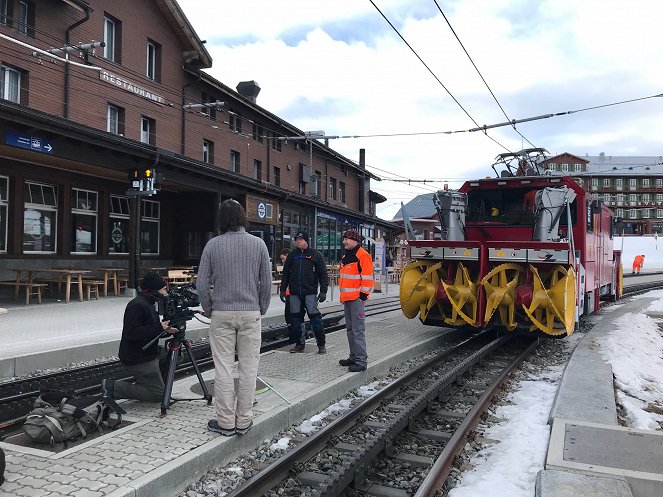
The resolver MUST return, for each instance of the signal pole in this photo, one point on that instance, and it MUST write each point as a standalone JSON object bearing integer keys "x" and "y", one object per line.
{"x": 145, "y": 182}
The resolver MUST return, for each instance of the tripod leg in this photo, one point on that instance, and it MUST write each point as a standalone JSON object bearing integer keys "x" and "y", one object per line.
{"x": 207, "y": 396}
{"x": 172, "y": 365}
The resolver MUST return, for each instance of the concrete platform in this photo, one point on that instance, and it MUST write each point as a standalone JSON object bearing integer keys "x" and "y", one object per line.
{"x": 612, "y": 451}
{"x": 155, "y": 457}
{"x": 589, "y": 454}
{"x": 50, "y": 335}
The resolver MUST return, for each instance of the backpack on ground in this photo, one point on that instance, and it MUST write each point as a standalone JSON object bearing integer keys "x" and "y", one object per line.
{"x": 57, "y": 417}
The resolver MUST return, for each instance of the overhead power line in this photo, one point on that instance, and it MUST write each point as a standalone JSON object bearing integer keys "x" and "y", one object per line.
{"x": 433, "y": 74}
{"x": 479, "y": 73}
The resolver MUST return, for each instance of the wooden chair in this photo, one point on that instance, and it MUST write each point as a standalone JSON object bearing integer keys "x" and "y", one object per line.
{"x": 93, "y": 286}
{"x": 122, "y": 282}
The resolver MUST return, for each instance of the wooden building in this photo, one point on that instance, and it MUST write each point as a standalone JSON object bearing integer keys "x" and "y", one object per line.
{"x": 90, "y": 91}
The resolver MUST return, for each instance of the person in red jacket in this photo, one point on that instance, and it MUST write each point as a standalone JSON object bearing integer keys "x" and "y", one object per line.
{"x": 638, "y": 262}
{"x": 355, "y": 283}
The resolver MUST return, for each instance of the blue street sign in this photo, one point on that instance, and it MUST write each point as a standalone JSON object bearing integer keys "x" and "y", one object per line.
{"x": 34, "y": 143}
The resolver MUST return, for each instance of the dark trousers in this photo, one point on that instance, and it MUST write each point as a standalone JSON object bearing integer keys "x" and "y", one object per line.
{"x": 294, "y": 334}
{"x": 316, "y": 325}
{"x": 148, "y": 383}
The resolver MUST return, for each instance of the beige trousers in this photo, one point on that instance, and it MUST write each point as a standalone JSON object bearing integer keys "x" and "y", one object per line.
{"x": 232, "y": 331}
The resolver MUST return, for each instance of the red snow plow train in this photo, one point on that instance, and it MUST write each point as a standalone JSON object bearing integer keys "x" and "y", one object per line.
{"x": 528, "y": 251}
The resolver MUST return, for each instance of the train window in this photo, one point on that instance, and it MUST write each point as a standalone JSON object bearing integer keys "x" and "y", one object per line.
{"x": 504, "y": 206}
{"x": 510, "y": 207}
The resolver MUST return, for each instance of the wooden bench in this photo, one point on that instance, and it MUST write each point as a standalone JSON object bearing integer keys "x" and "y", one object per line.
{"x": 30, "y": 288}
{"x": 277, "y": 285}
{"x": 93, "y": 286}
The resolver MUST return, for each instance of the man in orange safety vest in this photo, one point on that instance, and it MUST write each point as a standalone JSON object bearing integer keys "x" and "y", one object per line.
{"x": 355, "y": 283}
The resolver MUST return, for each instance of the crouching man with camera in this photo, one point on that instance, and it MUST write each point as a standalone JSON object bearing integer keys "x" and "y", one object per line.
{"x": 141, "y": 326}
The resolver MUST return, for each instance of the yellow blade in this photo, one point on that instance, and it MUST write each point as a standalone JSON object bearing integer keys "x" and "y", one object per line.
{"x": 501, "y": 294}
{"x": 463, "y": 292}
{"x": 555, "y": 304}
{"x": 418, "y": 286}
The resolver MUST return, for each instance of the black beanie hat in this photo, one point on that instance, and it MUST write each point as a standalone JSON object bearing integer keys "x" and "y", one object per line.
{"x": 152, "y": 282}
{"x": 301, "y": 234}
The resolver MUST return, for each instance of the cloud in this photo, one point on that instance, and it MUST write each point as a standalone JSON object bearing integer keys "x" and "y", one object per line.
{"x": 342, "y": 69}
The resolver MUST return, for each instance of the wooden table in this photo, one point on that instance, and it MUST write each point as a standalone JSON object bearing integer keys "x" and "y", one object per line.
{"x": 68, "y": 273}
{"x": 111, "y": 273}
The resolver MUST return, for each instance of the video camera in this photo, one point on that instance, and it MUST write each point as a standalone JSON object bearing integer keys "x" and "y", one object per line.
{"x": 175, "y": 306}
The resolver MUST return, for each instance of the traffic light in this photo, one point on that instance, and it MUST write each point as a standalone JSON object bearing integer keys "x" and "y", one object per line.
{"x": 145, "y": 180}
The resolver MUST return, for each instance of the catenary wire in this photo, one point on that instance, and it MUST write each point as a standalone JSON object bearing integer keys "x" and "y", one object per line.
{"x": 433, "y": 74}
{"x": 479, "y": 72}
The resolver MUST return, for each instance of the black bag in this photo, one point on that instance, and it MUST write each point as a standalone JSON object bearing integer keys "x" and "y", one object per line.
{"x": 57, "y": 417}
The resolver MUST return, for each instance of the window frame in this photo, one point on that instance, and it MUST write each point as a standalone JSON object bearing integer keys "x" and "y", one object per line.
{"x": 235, "y": 158}
{"x": 341, "y": 192}
{"x": 86, "y": 212}
{"x": 4, "y": 89}
{"x": 111, "y": 38}
{"x": 4, "y": 207}
{"x": 121, "y": 200}
{"x": 151, "y": 130}
{"x": 257, "y": 170}
{"x": 42, "y": 207}
{"x": 208, "y": 151}
{"x": 150, "y": 219}
{"x": 153, "y": 61}
{"x": 332, "y": 188}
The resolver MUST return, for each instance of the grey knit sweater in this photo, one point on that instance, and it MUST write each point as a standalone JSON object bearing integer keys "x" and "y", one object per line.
{"x": 236, "y": 264}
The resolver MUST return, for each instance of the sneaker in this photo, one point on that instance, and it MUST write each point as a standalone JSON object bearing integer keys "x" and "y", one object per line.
{"x": 243, "y": 431}
{"x": 213, "y": 425}
{"x": 346, "y": 362}
{"x": 356, "y": 368}
{"x": 297, "y": 348}
{"x": 322, "y": 349}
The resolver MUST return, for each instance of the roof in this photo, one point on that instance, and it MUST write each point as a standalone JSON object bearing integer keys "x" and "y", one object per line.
{"x": 197, "y": 54}
{"x": 623, "y": 165}
{"x": 420, "y": 206}
{"x": 286, "y": 127}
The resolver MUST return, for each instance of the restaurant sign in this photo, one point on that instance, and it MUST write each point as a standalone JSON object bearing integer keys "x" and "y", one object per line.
{"x": 131, "y": 87}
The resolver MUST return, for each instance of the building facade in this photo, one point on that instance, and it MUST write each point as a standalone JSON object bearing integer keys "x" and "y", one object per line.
{"x": 90, "y": 91}
{"x": 632, "y": 186}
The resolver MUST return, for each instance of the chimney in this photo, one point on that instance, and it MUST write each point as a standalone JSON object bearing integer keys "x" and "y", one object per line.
{"x": 248, "y": 89}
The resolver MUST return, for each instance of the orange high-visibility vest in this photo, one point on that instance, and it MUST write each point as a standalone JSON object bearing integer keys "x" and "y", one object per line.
{"x": 352, "y": 281}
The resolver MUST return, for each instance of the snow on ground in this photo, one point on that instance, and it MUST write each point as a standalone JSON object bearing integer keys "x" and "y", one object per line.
{"x": 635, "y": 351}
{"x": 509, "y": 467}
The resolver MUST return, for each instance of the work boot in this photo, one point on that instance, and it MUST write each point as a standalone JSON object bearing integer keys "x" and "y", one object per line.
{"x": 356, "y": 368}
{"x": 297, "y": 348}
{"x": 322, "y": 349}
{"x": 346, "y": 362}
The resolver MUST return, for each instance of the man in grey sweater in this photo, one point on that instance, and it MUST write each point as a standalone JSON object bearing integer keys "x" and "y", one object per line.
{"x": 236, "y": 266}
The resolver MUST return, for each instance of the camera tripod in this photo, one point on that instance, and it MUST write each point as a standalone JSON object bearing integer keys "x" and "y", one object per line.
{"x": 174, "y": 346}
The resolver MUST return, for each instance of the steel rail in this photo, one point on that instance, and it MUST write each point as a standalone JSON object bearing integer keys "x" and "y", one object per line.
{"x": 279, "y": 470}
{"x": 441, "y": 469}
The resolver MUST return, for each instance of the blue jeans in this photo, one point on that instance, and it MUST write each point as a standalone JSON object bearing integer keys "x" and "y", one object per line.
{"x": 308, "y": 304}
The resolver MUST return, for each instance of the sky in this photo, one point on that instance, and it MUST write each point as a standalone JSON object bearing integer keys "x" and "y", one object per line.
{"x": 341, "y": 68}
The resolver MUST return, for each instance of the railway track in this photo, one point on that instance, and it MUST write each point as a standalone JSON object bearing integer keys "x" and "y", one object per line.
{"x": 421, "y": 421}
{"x": 17, "y": 396}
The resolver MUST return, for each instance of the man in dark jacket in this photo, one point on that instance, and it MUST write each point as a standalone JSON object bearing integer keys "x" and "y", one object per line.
{"x": 141, "y": 325}
{"x": 303, "y": 271}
